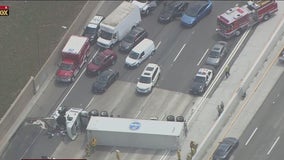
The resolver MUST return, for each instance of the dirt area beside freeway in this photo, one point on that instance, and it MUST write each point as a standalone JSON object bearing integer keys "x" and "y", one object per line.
{"x": 28, "y": 36}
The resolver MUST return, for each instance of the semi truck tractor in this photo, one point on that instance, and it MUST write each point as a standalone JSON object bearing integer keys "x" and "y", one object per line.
{"x": 74, "y": 55}
{"x": 116, "y": 25}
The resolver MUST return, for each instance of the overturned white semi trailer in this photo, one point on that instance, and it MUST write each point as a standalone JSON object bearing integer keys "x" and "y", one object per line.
{"x": 137, "y": 133}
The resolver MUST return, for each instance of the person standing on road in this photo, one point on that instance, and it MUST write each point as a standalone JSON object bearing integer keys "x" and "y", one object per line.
{"x": 227, "y": 71}
{"x": 220, "y": 110}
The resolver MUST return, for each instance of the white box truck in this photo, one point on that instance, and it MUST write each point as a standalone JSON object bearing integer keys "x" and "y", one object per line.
{"x": 136, "y": 133}
{"x": 116, "y": 25}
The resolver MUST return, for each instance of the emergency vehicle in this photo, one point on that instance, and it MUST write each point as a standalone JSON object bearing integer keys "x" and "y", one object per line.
{"x": 74, "y": 55}
{"x": 201, "y": 81}
{"x": 238, "y": 19}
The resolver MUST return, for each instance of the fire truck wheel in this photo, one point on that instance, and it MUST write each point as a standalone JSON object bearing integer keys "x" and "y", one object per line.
{"x": 266, "y": 17}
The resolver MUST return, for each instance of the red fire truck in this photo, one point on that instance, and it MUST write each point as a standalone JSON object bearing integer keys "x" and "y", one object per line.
{"x": 236, "y": 20}
{"x": 74, "y": 55}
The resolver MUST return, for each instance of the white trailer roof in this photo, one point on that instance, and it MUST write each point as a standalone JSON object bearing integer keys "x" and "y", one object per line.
{"x": 135, "y": 126}
{"x": 119, "y": 13}
{"x": 74, "y": 44}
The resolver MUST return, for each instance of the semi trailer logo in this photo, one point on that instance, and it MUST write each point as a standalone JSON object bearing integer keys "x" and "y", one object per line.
{"x": 134, "y": 126}
{"x": 4, "y": 10}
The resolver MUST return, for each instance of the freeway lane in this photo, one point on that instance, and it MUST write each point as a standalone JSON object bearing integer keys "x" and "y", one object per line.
{"x": 120, "y": 99}
{"x": 265, "y": 142}
{"x": 174, "y": 62}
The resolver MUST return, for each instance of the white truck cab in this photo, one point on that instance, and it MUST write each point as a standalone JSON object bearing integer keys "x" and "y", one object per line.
{"x": 118, "y": 24}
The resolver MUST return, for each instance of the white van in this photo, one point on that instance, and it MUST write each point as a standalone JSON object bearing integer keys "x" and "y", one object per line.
{"x": 140, "y": 52}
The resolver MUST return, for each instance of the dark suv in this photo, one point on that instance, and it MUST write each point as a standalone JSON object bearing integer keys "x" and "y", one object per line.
{"x": 135, "y": 36}
{"x": 171, "y": 10}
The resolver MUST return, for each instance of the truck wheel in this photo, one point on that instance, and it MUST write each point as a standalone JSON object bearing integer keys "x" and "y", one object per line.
{"x": 238, "y": 33}
{"x": 266, "y": 17}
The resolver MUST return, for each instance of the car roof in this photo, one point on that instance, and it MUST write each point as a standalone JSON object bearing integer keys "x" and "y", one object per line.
{"x": 149, "y": 69}
{"x": 222, "y": 149}
{"x": 217, "y": 47}
{"x": 106, "y": 52}
{"x": 145, "y": 43}
{"x": 203, "y": 71}
{"x": 134, "y": 32}
{"x": 138, "y": 29}
{"x": 95, "y": 21}
{"x": 225, "y": 145}
{"x": 107, "y": 73}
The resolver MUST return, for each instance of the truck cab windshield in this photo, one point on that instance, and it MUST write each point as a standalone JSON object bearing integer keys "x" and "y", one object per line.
{"x": 66, "y": 67}
{"x": 224, "y": 26}
{"x": 106, "y": 35}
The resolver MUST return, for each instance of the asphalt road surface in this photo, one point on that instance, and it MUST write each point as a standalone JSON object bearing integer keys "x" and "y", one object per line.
{"x": 179, "y": 54}
{"x": 263, "y": 137}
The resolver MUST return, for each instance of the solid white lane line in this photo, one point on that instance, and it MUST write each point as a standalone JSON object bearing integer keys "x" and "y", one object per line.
{"x": 89, "y": 104}
{"x": 94, "y": 55}
{"x": 29, "y": 147}
{"x": 179, "y": 52}
{"x": 158, "y": 45}
{"x": 138, "y": 114}
{"x": 203, "y": 56}
{"x": 164, "y": 155}
{"x": 251, "y": 136}
{"x": 273, "y": 145}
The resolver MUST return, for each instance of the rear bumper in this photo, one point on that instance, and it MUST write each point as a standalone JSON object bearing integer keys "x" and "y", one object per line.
{"x": 63, "y": 79}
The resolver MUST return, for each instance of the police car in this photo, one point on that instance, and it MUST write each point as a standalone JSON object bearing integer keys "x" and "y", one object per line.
{"x": 201, "y": 81}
